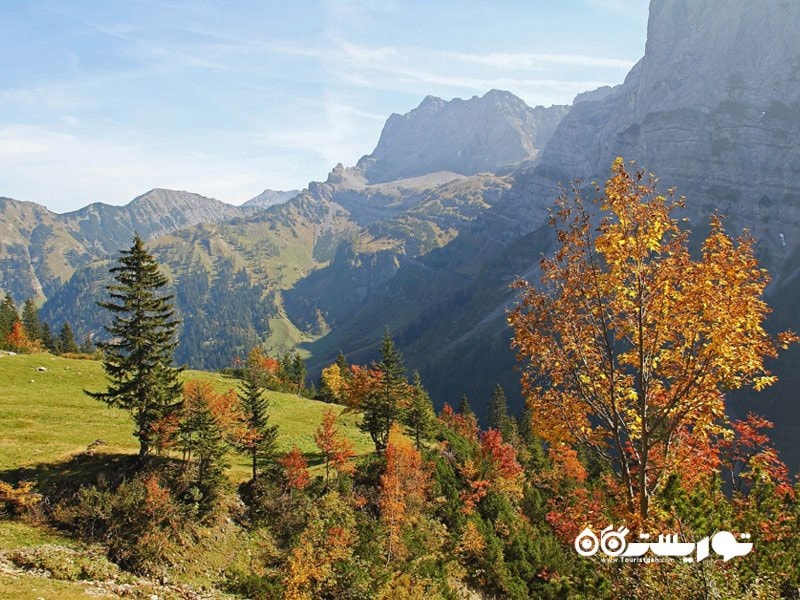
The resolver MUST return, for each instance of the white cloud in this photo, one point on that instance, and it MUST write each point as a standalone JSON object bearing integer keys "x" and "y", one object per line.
{"x": 422, "y": 71}
{"x": 343, "y": 133}
{"x": 531, "y": 61}
{"x": 64, "y": 171}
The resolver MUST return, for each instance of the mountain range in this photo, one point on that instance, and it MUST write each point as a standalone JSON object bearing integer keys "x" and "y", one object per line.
{"x": 425, "y": 234}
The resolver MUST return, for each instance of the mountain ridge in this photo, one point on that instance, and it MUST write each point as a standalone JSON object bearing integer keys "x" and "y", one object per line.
{"x": 496, "y": 131}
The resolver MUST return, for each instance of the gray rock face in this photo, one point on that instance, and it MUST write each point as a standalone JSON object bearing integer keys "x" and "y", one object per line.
{"x": 485, "y": 134}
{"x": 713, "y": 108}
{"x": 269, "y": 198}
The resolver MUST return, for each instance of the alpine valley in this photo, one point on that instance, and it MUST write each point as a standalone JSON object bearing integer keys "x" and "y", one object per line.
{"x": 426, "y": 234}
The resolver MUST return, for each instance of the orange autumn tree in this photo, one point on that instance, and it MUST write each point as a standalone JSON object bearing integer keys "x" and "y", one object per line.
{"x": 629, "y": 343}
{"x": 336, "y": 449}
{"x": 314, "y": 567}
{"x": 295, "y": 469}
{"x": 403, "y": 490}
{"x": 19, "y": 341}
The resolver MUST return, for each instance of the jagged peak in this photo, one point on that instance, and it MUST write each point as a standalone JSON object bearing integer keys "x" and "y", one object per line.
{"x": 484, "y": 133}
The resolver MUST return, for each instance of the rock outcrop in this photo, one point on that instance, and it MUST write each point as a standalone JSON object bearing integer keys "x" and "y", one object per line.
{"x": 269, "y": 198}
{"x": 483, "y": 134}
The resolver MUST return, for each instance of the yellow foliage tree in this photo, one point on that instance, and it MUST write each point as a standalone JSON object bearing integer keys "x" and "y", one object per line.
{"x": 334, "y": 379}
{"x": 328, "y": 540}
{"x": 629, "y": 343}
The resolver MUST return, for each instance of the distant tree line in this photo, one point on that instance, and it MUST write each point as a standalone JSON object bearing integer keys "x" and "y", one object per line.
{"x": 26, "y": 332}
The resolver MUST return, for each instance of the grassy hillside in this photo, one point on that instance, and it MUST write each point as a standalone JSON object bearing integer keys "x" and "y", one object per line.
{"x": 45, "y": 417}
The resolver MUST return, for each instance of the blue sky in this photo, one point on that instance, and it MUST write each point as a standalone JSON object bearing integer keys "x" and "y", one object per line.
{"x": 104, "y": 100}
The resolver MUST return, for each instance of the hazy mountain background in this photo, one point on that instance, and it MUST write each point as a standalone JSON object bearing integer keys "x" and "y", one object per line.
{"x": 425, "y": 234}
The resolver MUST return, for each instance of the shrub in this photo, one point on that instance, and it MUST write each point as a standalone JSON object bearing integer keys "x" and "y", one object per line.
{"x": 140, "y": 521}
{"x": 17, "y": 500}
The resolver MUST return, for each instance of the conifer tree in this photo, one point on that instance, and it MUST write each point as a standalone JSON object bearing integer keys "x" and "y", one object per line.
{"x": 30, "y": 319}
{"x": 8, "y": 315}
{"x": 383, "y": 407}
{"x": 66, "y": 340}
{"x": 47, "y": 337}
{"x": 202, "y": 438}
{"x": 87, "y": 346}
{"x": 343, "y": 365}
{"x": 285, "y": 368}
{"x": 464, "y": 409}
{"x": 138, "y": 355}
{"x": 420, "y": 417}
{"x": 498, "y": 408}
{"x": 259, "y": 439}
{"x": 299, "y": 372}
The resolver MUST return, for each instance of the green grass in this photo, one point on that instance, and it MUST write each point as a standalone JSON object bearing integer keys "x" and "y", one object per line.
{"x": 45, "y": 417}
{"x": 46, "y": 420}
{"x": 16, "y": 534}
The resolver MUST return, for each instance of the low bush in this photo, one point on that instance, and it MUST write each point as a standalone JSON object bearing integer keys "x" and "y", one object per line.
{"x": 140, "y": 522}
{"x": 19, "y": 499}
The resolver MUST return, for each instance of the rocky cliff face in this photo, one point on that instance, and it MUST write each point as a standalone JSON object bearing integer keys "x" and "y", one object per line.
{"x": 269, "y": 198}
{"x": 486, "y": 134}
{"x": 713, "y": 108}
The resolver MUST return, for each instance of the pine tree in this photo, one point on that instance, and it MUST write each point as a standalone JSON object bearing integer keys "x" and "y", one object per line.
{"x": 464, "y": 409}
{"x": 420, "y": 417}
{"x": 259, "y": 439}
{"x": 66, "y": 340}
{"x": 47, "y": 337}
{"x": 87, "y": 346}
{"x": 30, "y": 319}
{"x": 299, "y": 371}
{"x": 8, "y": 315}
{"x": 138, "y": 356}
{"x": 201, "y": 438}
{"x": 285, "y": 368}
{"x": 498, "y": 408}
{"x": 344, "y": 366}
{"x": 383, "y": 407}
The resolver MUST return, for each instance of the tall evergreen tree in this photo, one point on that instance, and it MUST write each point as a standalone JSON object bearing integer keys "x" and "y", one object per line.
{"x": 344, "y": 366}
{"x": 285, "y": 371}
{"x": 66, "y": 340}
{"x": 464, "y": 408}
{"x": 47, "y": 338}
{"x": 138, "y": 356}
{"x": 420, "y": 416}
{"x": 8, "y": 316}
{"x": 260, "y": 438}
{"x": 299, "y": 371}
{"x": 202, "y": 439}
{"x": 498, "y": 408}
{"x": 383, "y": 407}
{"x": 31, "y": 321}
{"x": 87, "y": 345}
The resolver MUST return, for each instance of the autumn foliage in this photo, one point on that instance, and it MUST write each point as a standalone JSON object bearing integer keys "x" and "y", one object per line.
{"x": 403, "y": 491}
{"x": 337, "y": 451}
{"x": 628, "y": 343}
{"x": 18, "y": 340}
{"x": 295, "y": 469}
